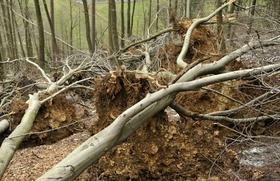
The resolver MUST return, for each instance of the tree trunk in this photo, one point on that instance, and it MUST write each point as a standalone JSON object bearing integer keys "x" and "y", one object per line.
{"x": 157, "y": 16}
{"x": 150, "y": 14}
{"x": 50, "y": 17}
{"x": 7, "y": 29}
{"x": 113, "y": 35}
{"x": 220, "y": 30}
{"x": 93, "y": 27}
{"x": 128, "y": 19}
{"x": 132, "y": 17}
{"x": 71, "y": 26}
{"x": 11, "y": 143}
{"x": 87, "y": 26}
{"x": 25, "y": 13}
{"x": 41, "y": 37}
{"x": 188, "y": 9}
{"x": 252, "y": 13}
{"x": 122, "y": 24}
{"x": 2, "y": 73}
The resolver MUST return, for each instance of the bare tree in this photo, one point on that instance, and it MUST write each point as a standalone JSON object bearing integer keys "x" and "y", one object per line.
{"x": 122, "y": 24}
{"x": 132, "y": 17}
{"x": 252, "y": 13}
{"x": 128, "y": 19}
{"x": 188, "y": 8}
{"x": 157, "y": 15}
{"x": 86, "y": 14}
{"x": 150, "y": 13}
{"x": 41, "y": 51}
{"x": 220, "y": 30}
{"x": 93, "y": 27}
{"x": 27, "y": 31}
{"x": 50, "y": 17}
{"x": 113, "y": 33}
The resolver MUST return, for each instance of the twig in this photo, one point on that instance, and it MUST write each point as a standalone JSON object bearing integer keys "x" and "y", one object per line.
{"x": 148, "y": 39}
{"x": 64, "y": 89}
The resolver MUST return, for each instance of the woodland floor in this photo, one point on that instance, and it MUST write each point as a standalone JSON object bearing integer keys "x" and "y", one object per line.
{"x": 169, "y": 147}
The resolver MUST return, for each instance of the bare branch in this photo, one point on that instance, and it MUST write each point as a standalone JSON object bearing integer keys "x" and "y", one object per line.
{"x": 180, "y": 59}
{"x": 40, "y": 69}
{"x": 182, "y": 111}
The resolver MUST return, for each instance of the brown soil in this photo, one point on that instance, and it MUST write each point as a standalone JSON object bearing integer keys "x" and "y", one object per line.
{"x": 202, "y": 44}
{"x": 167, "y": 147}
{"x": 51, "y": 117}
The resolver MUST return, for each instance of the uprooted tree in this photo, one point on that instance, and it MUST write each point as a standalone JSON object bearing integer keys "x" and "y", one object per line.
{"x": 201, "y": 73}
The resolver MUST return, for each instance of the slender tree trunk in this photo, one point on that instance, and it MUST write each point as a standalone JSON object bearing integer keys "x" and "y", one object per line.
{"x": 176, "y": 7}
{"x": 220, "y": 31}
{"x": 93, "y": 27}
{"x": 113, "y": 26}
{"x": 7, "y": 29}
{"x": 12, "y": 24}
{"x": 150, "y": 14}
{"x": 41, "y": 50}
{"x": 50, "y": 17}
{"x": 71, "y": 26}
{"x": 25, "y": 13}
{"x": 230, "y": 33}
{"x": 110, "y": 33}
{"x": 252, "y": 13}
{"x": 188, "y": 8}
{"x": 128, "y": 19}
{"x": 80, "y": 36}
{"x": 157, "y": 16}
{"x": 122, "y": 24}
{"x": 87, "y": 26}
{"x": 2, "y": 73}
{"x": 132, "y": 17}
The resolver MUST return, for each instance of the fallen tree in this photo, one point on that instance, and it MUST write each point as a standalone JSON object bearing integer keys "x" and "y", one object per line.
{"x": 35, "y": 101}
{"x": 194, "y": 76}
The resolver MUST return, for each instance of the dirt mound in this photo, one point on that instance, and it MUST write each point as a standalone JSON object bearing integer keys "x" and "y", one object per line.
{"x": 167, "y": 148}
{"x": 52, "y": 115}
{"x": 202, "y": 44}
{"x": 116, "y": 92}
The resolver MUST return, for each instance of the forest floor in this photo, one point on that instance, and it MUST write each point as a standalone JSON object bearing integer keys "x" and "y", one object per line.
{"x": 168, "y": 147}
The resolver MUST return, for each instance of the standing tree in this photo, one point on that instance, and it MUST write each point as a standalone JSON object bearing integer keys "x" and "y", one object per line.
{"x": 50, "y": 17}
{"x": 252, "y": 13}
{"x": 27, "y": 31}
{"x": 112, "y": 24}
{"x": 128, "y": 19}
{"x": 132, "y": 17}
{"x": 87, "y": 26}
{"x": 122, "y": 24}
{"x": 188, "y": 8}
{"x": 220, "y": 31}
{"x": 41, "y": 50}
{"x": 93, "y": 27}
